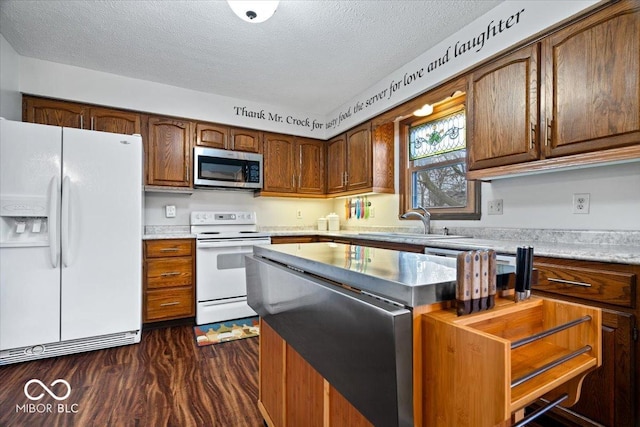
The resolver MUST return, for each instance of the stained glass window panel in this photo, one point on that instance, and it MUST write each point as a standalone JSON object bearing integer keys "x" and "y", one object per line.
{"x": 440, "y": 186}
{"x": 440, "y": 136}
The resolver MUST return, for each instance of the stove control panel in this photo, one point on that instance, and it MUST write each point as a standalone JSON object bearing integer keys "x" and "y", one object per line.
{"x": 222, "y": 218}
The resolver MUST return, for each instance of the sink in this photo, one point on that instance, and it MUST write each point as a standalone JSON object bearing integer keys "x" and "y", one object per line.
{"x": 410, "y": 235}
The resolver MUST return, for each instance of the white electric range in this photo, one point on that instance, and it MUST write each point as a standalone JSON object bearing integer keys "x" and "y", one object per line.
{"x": 222, "y": 240}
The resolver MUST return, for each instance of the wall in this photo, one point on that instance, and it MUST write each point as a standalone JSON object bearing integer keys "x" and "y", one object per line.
{"x": 271, "y": 211}
{"x": 50, "y": 79}
{"x": 540, "y": 201}
{"x": 10, "y": 98}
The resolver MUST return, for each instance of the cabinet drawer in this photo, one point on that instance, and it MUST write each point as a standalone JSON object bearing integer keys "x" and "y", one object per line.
{"x": 588, "y": 282}
{"x": 169, "y": 303}
{"x": 167, "y": 272}
{"x": 165, "y": 248}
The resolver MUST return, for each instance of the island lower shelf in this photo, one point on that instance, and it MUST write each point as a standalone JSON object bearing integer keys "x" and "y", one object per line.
{"x": 488, "y": 366}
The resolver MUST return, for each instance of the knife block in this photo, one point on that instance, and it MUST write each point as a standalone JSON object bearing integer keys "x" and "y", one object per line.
{"x": 473, "y": 377}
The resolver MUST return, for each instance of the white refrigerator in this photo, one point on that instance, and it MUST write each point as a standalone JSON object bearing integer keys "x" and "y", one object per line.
{"x": 70, "y": 240}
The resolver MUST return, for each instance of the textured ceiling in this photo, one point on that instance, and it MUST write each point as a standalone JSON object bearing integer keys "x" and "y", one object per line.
{"x": 311, "y": 55}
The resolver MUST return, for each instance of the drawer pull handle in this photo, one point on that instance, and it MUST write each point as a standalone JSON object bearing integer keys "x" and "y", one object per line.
{"x": 166, "y": 304}
{"x": 569, "y": 282}
{"x": 173, "y": 273}
{"x": 169, "y": 250}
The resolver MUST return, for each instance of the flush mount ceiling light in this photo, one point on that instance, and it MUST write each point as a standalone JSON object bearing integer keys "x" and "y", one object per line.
{"x": 424, "y": 111}
{"x": 253, "y": 11}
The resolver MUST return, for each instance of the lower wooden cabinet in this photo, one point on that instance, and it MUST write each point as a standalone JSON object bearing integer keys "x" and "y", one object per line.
{"x": 294, "y": 239}
{"x": 169, "y": 291}
{"x": 610, "y": 393}
{"x": 292, "y": 393}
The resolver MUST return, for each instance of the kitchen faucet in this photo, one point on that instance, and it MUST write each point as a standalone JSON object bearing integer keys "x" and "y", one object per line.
{"x": 425, "y": 217}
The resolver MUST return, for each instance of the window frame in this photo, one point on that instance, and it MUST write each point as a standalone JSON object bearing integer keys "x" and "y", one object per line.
{"x": 441, "y": 109}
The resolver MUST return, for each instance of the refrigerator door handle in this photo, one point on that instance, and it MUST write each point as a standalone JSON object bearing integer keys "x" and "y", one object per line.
{"x": 65, "y": 232}
{"x": 54, "y": 195}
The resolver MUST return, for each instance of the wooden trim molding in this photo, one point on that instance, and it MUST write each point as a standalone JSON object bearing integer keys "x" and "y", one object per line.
{"x": 576, "y": 161}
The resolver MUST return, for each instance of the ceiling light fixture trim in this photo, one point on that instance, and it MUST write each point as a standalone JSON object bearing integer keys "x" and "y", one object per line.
{"x": 253, "y": 11}
{"x": 424, "y": 111}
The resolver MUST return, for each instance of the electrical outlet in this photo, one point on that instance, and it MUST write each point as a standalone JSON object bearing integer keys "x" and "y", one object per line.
{"x": 170, "y": 211}
{"x": 495, "y": 207}
{"x": 299, "y": 214}
{"x": 581, "y": 203}
{"x": 372, "y": 212}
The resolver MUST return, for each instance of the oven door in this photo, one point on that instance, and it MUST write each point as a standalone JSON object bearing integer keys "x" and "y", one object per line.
{"x": 220, "y": 271}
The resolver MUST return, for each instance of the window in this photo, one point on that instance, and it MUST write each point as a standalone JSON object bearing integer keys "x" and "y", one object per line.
{"x": 434, "y": 163}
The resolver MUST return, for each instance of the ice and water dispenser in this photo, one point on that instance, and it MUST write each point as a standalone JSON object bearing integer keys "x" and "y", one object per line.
{"x": 24, "y": 221}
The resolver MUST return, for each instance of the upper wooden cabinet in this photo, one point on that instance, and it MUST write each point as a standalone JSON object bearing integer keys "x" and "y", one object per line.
{"x": 245, "y": 140}
{"x": 337, "y": 164}
{"x": 572, "y": 99}
{"x": 310, "y": 163}
{"x": 279, "y": 169}
{"x": 79, "y": 116}
{"x": 52, "y": 112}
{"x": 503, "y": 112}
{"x": 107, "y": 120}
{"x": 592, "y": 83}
{"x": 361, "y": 160}
{"x": 227, "y": 138}
{"x": 293, "y": 166}
{"x": 169, "y": 152}
{"x": 212, "y": 135}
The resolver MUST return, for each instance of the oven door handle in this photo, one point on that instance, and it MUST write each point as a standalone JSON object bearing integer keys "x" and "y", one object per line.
{"x": 206, "y": 244}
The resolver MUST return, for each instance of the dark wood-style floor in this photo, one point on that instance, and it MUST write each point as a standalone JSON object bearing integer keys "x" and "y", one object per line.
{"x": 166, "y": 380}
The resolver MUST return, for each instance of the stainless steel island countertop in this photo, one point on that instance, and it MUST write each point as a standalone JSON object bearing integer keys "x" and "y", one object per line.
{"x": 410, "y": 279}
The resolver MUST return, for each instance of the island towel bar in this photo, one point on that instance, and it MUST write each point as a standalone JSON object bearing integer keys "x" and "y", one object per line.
{"x": 551, "y": 365}
{"x": 548, "y": 332}
{"x": 535, "y": 414}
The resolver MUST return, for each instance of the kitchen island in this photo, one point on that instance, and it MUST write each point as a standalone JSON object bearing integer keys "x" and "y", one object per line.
{"x": 344, "y": 338}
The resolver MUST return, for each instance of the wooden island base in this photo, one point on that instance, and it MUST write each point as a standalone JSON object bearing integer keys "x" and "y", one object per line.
{"x": 464, "y": 367}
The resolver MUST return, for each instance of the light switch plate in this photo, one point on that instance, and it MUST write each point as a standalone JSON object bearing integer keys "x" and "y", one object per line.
{"x": 170, "y": 211}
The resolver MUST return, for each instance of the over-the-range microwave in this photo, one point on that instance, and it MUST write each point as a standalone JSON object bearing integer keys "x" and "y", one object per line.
{"x": 216, "y": 168}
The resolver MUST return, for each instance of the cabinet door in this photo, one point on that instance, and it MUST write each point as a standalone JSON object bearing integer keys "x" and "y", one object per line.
{"x": 310, "y": 166}
{"x": 359, "y": 161}
{"x": 272, "y": 370}
{"x": 54, "y": 113}
{"x": 212, "y": 135}
{"x": 169, "y": 153}
{"x": 304, "y": 392}
{"x": 279, "y": 166}
{"x": 592, "y": 79}
{"x": 245, "y": 140}
{"x": 336, "y": 164}
{"x": 107, "y": 120}
{"x": 503, "y": 114}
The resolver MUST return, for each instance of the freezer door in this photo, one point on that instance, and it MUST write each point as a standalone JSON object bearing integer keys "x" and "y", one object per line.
{"x": 29, "y": 283}
{"x": 101, "y": 233}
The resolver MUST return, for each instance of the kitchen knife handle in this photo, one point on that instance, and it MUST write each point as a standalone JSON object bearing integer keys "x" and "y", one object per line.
{"x": 475, "y": 282}
{"x": 529, "y": 271}
{"x": 493, "y": 277}
{"x": 463, "y": 284}
{"x": 484, "y": 279}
